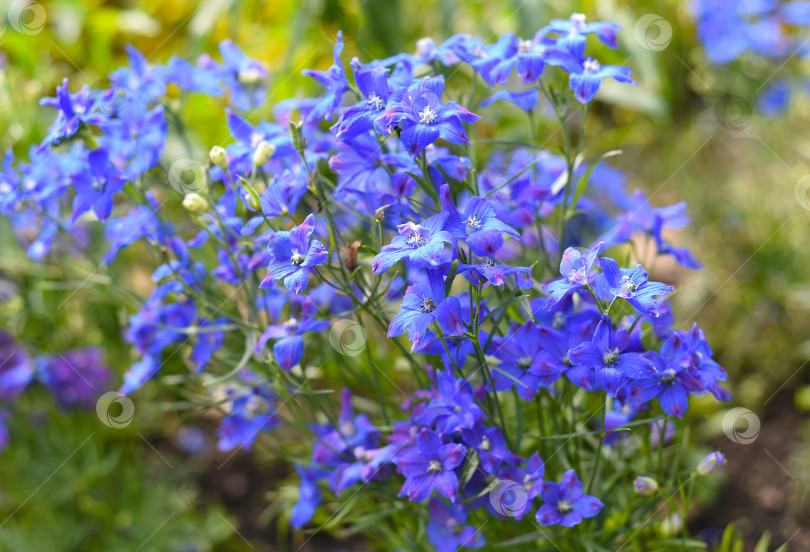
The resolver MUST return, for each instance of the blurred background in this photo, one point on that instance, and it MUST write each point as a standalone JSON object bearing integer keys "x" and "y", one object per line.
{"x": 692, "y": 131}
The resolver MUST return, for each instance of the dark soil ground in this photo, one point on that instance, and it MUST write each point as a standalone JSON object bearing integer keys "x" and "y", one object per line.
{"x": 762, "y": 491}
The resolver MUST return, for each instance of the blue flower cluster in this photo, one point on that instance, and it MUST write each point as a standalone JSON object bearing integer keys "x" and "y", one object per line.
{"x": 285, "y": 220}
{"x": 730, "y": 29}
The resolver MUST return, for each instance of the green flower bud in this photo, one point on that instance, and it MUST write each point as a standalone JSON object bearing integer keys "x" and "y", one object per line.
{"x": 711, "y": 463}
{"x": 645, "y": 486}
{"x": 297, "y": 136}
{"x": 263, "y": 153}
{"x": 218, "y": 157}
{"x": 195, "y": 203}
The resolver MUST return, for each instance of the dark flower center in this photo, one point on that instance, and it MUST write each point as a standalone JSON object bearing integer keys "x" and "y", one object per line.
{"x": 610, "y": 357}
{"x": 629, "y": 284}
{"x": 416, "y": 239}
{"x": 668, "y": 376}
{"x": 297, "y": 259}
{"x": 427, "y": 305}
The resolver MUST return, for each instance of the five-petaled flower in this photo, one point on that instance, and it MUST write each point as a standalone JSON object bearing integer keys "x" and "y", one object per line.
{"x": 430, "y": 466}
{"x": 292, "y": 254}
{"x": 423, "y": 118}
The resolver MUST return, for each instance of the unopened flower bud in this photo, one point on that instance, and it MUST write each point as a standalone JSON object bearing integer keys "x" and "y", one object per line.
{"x": 711, "y": 463}
{"x": 264, "y": 151}
{"x": 672, "y": 525}
{"x": 297, "y": 136}
{"x": 218, "y": 157}
{"x": 645, "y": 486}
{"x": 254, "y": 203}
{"x": 195, "y": 203}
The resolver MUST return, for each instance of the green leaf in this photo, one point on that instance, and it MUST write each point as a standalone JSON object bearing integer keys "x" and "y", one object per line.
{"x": 451, "y": 275}
{"x": 583, "y": 182}
{"x": 429, "y": 190}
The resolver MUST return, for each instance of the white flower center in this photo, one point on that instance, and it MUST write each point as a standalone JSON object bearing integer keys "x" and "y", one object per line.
{"x": 524, "y": 46}
{"x": 591, "y": 66}
{"x": 564, "y": 507}
{"x": 577, "y": 22}
{"x": 375, "y": 101}
{"x": 434, "y": 466}
{"x": 485, "y": 443}
{"x": 427, "y": 116}
{"x": 628, "y": 284}
{"x": 473, "y": 221}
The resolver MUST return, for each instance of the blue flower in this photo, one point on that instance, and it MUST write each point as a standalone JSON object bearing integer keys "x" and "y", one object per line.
{"x": 429, "y": 466}
{"x": 490, "y": 273}
{"x": 16, "y": 370}
{"x": 96, "y": 186}
{"x": 334, "y": 81}
{"x": 518, "y": 488}
{"x": 604, "y": 359}
{"x": 423, "y": 118}
{"x": 577, "y": 270}
{"x": 74, "y": 110}
{"x": 454, "y": 409}
{"x": 292, "y": 254}
{"x": 523, "y": 364}
{"x": 564, "y": 503}
{"x": 491, "y": 446}
{"x": 420, "y": 244}
{"x": 250, "y": 407}
{"x": 446, "y": 529}
{"x": 665, "y": 379}
{"x": 526, "y": 100}
{"x": 511, "y": 52}
{"x": 309, "y": 497}
{"x": 478, "y": 224}
{"x": 246, "y": 79}
{"x": 575, "y": 29}
{"x": 632, "y": 286}
{"x": 75, "y": 376}
{"x": 586, "y": 75}
{"x": 423, "y": 303}
{"x": 362, "y": 116}
{"x": 289, "y": 349}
